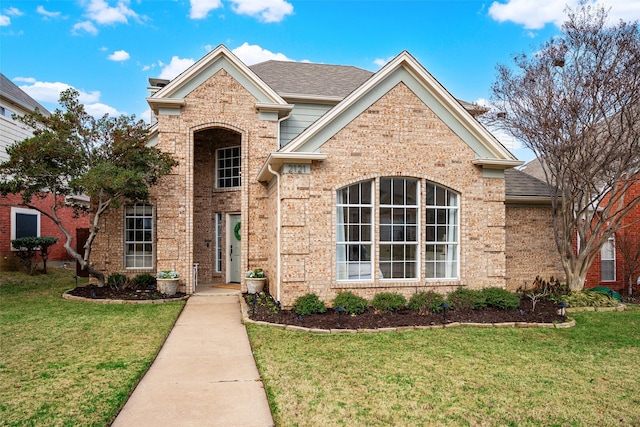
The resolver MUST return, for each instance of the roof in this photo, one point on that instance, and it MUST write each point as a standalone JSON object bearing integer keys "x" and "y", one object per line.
{"x": 17, "y": 96}
{"x": 309, "y": 80}
{"x": 534, "y": 168}
{"x": 304, "y": 79}
{"x": 522, "y": 187}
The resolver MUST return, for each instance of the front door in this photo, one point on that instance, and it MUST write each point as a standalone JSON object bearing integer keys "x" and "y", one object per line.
{"x": 233, "y": 248}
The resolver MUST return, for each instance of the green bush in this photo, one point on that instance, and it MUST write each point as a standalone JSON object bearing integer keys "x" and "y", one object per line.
{"x": 117, "y": 281}
{"x": 309, "y": 304}
{"x": 466, "y": 299}
{"x": 426, "y": 302}
{"x": 389, "y": 301}
{"x": 144, "y": 281}
{"x": 500, "y": 298}
{"x": 352, "y": 303}
{"x": 589, "y": 299}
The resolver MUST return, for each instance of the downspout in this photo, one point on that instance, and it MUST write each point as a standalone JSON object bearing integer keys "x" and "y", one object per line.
{"x": 278, "y": 221}
{"x": 278, "y": 212}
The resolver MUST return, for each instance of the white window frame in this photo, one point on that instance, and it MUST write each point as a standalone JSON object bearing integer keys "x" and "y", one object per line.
{"x": 218, "y": 256}
{"x": 219, "y": 153}
{"x": 451, "y": 246}
{"x": 22, "y": 211}
{"x": 344, "y": 266}
{"x": 608, "y": 250}
{"x": 400, "y": 243}
{"x": 127, "y": 242}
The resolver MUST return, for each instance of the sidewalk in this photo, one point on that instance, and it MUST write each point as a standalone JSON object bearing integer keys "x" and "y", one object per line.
{"x": 204, "y": 375}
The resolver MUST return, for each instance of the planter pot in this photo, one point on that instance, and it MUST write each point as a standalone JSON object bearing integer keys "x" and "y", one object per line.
{"x": 255, "y": 285}
{"x": 167, "y": 286}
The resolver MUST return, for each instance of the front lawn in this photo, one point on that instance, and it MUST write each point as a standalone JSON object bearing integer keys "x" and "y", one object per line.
{"x": 586, "y": 375}
{"x": 70, "y": 363}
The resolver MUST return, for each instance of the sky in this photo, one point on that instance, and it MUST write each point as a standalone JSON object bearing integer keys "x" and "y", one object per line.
{"x": 108, "y": 49}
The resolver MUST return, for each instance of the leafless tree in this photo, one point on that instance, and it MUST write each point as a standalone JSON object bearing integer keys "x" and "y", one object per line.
{"x": 575, "y": 104}
{"x": 628, "y": 246}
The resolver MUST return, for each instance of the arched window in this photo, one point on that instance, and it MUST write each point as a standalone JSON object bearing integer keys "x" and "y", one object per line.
{"x": 399, "y": 238}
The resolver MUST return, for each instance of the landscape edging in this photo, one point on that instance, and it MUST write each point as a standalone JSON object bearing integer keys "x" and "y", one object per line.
{"x": 247, "y": 320}
{"x": 70, "y": 297}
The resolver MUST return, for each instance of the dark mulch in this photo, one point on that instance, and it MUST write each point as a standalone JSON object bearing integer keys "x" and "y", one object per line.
{"x": 131, "y": 294}
{"x": 545, "y": 312}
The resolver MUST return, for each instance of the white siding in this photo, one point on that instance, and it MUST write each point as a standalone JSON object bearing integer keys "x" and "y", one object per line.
{"x": 11, "y": 130}
{"x": 301, "y": 117}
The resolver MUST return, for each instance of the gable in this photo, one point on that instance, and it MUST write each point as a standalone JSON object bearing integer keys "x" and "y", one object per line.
{"x": 171, "y": 97}
{"x": 405, "y": 69}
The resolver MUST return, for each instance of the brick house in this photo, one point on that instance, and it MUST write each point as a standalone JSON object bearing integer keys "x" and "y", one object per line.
{"x": 328, "y": 177}
{"x": 17, "y": 220}
{"x": 608, "y": 269}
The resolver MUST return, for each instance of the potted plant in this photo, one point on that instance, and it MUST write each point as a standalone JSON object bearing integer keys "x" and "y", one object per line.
{"x": 168, "y": 282}
{"x": 255, "y": 280}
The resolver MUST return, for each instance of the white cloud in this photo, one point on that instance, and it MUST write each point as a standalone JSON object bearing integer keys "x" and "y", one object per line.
{"x": 382, "y": 62}
{"x": 119, "y": 55}
{"x": 13, "y": 11}
{"x": 99, "y": 109}
{"x": 42, "y": 11}
{"x": 4, "y": 21}
{"x": 175, "y": 67}
{"x": 265, "y": 10}
{"x": 535, "y": 14}
{"x": 86, "y": 26}
{"x": 101, "y": 12}
{"x": 201, "y": 8}
{"x": 252, "y": 54}
{"x": 49, "y": 93}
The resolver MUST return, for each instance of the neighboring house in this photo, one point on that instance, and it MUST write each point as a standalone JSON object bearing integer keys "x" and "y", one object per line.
{"x": 608, "y": 269}
{"x": 16, "y": 220}
{"x": 328, "y": 177}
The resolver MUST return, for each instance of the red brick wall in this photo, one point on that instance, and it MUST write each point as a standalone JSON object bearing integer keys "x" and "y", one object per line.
{"x": 8, "y": 261}
{"x": 631, "y": 227}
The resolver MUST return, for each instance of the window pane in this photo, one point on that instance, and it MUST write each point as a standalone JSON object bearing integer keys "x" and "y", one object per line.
{"x": 138, "y": 236}
{"x": 353, "y": 233}
{"x": 442, "y": 227}
{"x": 229, "y": 162}
{"x": 26, "y": 225}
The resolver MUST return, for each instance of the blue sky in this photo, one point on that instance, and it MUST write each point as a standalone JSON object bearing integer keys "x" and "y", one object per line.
{"x": 107, "y": 49}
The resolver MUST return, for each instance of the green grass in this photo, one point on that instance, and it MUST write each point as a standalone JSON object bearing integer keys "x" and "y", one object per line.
{"x": 70, "y": 363}
{"x": 586, "y": 375}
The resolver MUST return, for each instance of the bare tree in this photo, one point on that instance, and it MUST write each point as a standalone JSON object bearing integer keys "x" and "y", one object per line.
{"x": 628, "y": 246}
{"x": 575, "y": 104}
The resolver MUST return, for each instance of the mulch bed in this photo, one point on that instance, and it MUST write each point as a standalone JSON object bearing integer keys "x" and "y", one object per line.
{"x": 545, "y": 312}
{"x": 129, "y": 294}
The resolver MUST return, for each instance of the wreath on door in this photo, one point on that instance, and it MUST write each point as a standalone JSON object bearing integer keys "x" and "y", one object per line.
{"x": 236, "y": 230}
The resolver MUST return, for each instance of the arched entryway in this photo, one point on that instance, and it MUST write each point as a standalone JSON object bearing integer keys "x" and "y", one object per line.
{"x": 217, "y": 189}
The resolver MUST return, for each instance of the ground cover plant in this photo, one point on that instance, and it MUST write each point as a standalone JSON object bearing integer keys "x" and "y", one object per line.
{"x": 71, "y": 363}
{"x": 585, "y": 375}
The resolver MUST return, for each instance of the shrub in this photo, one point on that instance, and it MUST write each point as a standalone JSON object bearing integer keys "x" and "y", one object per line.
{"x": 500, "y": 298}
{"x": 352, "y": 303}
{"x": 426, "y": 302}
{"x": 117, "y": 281}
{"x": 466, "y": 299}
{"x": 144, "y": 281}
{"x": 589, "y": 299}
{"x": 308, "y": 304}
{"x": 388, "y": 301}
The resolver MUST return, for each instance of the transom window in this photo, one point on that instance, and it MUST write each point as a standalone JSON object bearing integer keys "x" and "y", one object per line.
{"x": 400, "y": 237}
{"x": 138, "y": 238}
{"x": 228, "y": 167}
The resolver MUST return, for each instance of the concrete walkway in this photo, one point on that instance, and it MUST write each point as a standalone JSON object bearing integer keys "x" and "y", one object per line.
{"x": 205, "y": 374}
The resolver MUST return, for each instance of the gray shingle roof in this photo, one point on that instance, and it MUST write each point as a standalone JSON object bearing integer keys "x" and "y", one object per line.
{"x": 521, "y": 185}
{"x": 16, "y": 95}
{"x": 303, "y": 78}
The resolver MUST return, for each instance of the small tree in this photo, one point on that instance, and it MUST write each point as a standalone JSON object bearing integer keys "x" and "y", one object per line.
{"x": 628, "y": 246}
{"x": 576, "y": 104}
{"x": 71, "y": 152}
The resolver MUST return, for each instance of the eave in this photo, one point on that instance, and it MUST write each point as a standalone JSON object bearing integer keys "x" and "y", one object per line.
{"x": 497, "y": 163}
{"x": 276, "y": 160}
